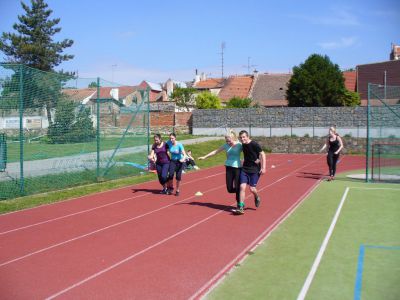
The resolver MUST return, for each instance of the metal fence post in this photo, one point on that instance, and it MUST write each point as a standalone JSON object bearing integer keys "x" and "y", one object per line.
{"x": 98, "y": 129}
{"x": 21, "y": 129}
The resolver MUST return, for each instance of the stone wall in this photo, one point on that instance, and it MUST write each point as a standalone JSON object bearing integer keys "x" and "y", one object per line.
{"x": 293, "y": 116}
{"x": 308, "y": 144}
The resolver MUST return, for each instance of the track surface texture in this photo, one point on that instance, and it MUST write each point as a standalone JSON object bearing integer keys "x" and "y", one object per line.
{"x": 133, "y": 243}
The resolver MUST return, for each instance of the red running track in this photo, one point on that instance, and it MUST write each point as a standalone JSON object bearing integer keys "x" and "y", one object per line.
{"x": 132, "y": 243}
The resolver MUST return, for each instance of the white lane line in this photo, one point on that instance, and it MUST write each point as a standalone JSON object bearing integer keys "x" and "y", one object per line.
{"x": 217, "y": 278}
{"x": 95, "y": 208}
{"x": 160, "y": 242}
{"x": 101, "y": 229}
{"x": 322, "y": 249}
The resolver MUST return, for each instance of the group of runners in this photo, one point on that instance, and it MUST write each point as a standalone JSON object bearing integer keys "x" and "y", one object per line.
{"x": 170, "y": 157}
{"x": 238, "y": 175}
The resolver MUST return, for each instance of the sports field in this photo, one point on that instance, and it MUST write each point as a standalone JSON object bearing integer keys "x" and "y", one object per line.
{"x": 132, "y": 242}
{"x": 342, "y": 242}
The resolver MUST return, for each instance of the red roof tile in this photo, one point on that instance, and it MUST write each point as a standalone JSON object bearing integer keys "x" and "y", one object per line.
{"x": 236, "y": 86}
{"x": 79, "y": 94}
{"x": 350, "y": 80}
{"x": 123, "y": 91}
{"x": 211, "y": 83}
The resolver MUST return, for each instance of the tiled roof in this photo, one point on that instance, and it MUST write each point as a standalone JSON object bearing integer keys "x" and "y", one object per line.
{"x": 79, "y": 95}
{"x": 272, "y": 103}
{"x": 350, "y": 80}
{"x": 123, "y": 92}
{"x": 154, "y": 86}
{"x": 211, "y": 83}
{"x": 270, "y": 87}
{"x": 236, "y": 86}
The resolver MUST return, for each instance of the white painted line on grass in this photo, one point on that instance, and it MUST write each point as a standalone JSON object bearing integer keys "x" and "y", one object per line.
{"x": 317, "y": 260}
{"x": 216, "y": 279}
{"x": 373, "y": 188}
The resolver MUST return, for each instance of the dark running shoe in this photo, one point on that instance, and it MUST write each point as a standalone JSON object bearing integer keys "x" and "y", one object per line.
{"x": 164, "y": 191}
{"x": 169, "y": 191}
{"x": 177, "y": 193}
{"x": 257, "y": 201}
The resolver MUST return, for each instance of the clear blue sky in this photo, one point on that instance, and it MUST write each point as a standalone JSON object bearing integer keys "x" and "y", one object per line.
{"x": 130, "y": 41}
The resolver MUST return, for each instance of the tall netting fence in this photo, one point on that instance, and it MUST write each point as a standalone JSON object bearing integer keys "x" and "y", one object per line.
{"x": 383, "y": 133}
{"x": 59, "y": 131}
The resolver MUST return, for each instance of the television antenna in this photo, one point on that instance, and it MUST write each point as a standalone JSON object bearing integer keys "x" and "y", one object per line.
{"x": 249, "y": 66}
{"x": 223, "y": 45}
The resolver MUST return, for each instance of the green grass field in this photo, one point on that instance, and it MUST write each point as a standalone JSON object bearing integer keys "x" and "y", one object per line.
{"x": 37, "y": 150}
{"x": 279, "y": 267}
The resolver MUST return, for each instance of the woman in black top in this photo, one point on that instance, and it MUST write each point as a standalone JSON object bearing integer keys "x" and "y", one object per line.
{"x": 334, "y": 145}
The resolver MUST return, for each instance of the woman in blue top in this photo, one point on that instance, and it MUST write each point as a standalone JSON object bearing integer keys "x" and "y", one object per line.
{"x": 232, "y": 163}
{"x": 177, "y": 163}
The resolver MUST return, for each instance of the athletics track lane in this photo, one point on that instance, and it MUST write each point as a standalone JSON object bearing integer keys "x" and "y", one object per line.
{"x": 148, "y": 245}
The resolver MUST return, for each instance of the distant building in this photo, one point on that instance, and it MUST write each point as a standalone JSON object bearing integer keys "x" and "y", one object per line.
{"x": 383, "y": 73}
{"x": 270, "y": 89}
{"x": 350, "y": 80}
{"x": 395, "y": 54}
{"x": 156, "y": 91}
{"x": 236, "y": 86}
{"x": 213, "y": 85}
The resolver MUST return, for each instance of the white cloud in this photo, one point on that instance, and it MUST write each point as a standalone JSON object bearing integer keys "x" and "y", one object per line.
{"x": 125, "y": 35}
{"x": 343, "y": 42}
{"x": 334, "y": 17}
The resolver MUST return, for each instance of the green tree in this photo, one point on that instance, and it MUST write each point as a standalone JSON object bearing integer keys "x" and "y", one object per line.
{"x": 72, "y": 124}
{"x": 92, "y": 84}
{"x": 351, "y": 98}
{"x": 316, "y": 82}
{"x": 32, "y": 44}
{"x": 184, "y": 97}
{"x": 237, "y": 102}
{"x": 206, "y": 100}
{"x": 82, "y": 129}
{"x": 58, "y": 132}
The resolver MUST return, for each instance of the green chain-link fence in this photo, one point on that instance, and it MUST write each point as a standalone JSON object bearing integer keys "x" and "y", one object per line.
{"x": 383, "y": 133}
{"x": 60, "y": 131}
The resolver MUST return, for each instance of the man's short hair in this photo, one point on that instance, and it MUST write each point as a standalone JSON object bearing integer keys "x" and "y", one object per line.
{"x": 243, "y": 132}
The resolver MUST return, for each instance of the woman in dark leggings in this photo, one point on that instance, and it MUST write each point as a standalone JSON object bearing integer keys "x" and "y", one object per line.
{"x": 159, "y": 156}
{"x": 176, "y": 165}
{"x": 232, "y": 164}
{"x": 334, "y": 145}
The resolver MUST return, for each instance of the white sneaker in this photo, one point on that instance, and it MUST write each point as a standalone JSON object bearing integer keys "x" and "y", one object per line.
{"x": 196, "y": 167}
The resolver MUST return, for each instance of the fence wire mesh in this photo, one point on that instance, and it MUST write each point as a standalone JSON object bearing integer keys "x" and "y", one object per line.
{"x": 383, "y": 133}
{"x": 59, "y": 131}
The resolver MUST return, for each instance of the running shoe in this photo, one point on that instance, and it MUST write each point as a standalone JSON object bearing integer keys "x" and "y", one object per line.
{"x": 164, "y": 191}
{"x": 257, "y": 201}
{"x": 177, "y": 193}
{"x": 238, "y": 211}
{"x": 169, "y": 191}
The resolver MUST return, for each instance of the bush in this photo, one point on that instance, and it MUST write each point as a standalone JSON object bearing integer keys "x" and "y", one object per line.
{"x": 237, "y": 102}
{"x": 207, "y": 100}
{"x": 70, "y": 129}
